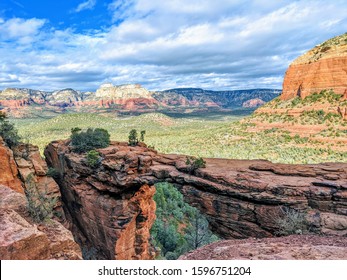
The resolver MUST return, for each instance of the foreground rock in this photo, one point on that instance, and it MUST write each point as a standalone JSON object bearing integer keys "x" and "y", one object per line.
{"x": 22, "y": 239}
{"x": 32, "y": 171}
{"x": 294, "y": 247}
{"x": 8, "y": 169}
{"x": 111, "y": 206}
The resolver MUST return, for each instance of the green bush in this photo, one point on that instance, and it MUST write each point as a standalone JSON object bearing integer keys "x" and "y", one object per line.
{"x": 93, "y": 158}
{"x": 8, "y": 132}
{"x": 84, "y": 141}
{"x": 195, "y": 163}
{"x": 40, "y": 205}
{"x": 291, "y": 222}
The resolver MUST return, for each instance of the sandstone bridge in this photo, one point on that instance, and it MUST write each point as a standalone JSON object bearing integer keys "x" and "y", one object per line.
{"x": 111, "y": 208}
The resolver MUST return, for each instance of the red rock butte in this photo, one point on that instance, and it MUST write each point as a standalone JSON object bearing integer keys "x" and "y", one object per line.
{"x": 322, "y": 68}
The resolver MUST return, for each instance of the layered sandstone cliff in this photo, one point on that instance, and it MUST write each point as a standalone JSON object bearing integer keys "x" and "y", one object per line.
{"x": 21, "y": 236}
{"x": 322, "y": 68}
{"x": 111, "y": 206}
{"x": 8, "y": 169}
{"x": 110, "y": 213}
{"x": 23, "y": 239}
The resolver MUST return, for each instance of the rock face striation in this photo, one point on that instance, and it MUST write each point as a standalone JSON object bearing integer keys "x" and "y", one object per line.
{"x": 8, "y": 169}
{"x": 20, "y": 236}
{"x": 322, "y": 68}
{"x": 22, "y": 239}
{"x": 111, "y": 214}
{"x": 112, "y": 210}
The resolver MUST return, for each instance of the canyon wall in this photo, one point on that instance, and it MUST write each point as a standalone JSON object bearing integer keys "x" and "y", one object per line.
{"x": 21, "y": 236}
{"x": 112, "y": 210}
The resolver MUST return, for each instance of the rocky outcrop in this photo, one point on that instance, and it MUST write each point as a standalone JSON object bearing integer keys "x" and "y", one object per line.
{"x": 20, "y": 236}
{"x": 111, "y": 206}
{"x": 295, "y": 247}
{"x": 111, "y": 216}
{"x": 322, "y": 68}
{"x": 22, "y": 239}
{"x": 8, "y": 169}
{"x": 32, "y": 172}
{"x": 109, "y": 91}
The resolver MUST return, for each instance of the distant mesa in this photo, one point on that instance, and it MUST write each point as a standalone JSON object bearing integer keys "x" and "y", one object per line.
{"x": 253, "y": 103}
{"x": 129, "y": 98}
{"x": 322, "y": 68}
{"x": 109, "y": 91}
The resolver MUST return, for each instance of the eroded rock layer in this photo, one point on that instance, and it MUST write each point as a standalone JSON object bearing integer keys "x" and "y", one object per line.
{"x": 322, "y": 68}
{"x": 23, "y": 239}
{"x": 111, "y": 214}
{"x": 112, "y": 209}
{"x": 8, "y": 169}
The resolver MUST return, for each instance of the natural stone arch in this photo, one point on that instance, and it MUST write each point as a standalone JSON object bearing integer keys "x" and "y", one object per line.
{"x": 111, "y": 208}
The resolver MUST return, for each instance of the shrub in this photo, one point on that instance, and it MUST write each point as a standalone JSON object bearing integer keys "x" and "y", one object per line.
{"x": 91, "y": 139}
{"x": 8, "y": 132}
{"x": 93, "y": 158}
{"x": 195, "y": 163}
{"x": 40, "y": 205}
{"x": 52, "y": 172}
{"x": 291, "y": 222}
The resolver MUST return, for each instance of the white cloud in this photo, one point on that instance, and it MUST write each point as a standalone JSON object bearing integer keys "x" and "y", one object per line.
{"x": 21, "y": 30}
{"x": 87, "y": 5}
{"x": 163, "y": 44}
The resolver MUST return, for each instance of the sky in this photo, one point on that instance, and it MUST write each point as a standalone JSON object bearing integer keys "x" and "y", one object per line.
{"x": 211, "y": 44}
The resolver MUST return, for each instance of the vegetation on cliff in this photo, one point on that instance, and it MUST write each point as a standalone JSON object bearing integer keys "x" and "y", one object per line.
{"x": 179, "y": 227}
{"x": 84, "y": 141}
{"x": 8, "y": 132}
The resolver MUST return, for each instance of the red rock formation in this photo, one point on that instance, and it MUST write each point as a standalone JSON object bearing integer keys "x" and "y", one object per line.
{"x": 305, "y": 79}
{"x": 295, "y": 247}
{"x": 110, "y": 215}
{"x": 322, "y": 68}
{"x": 14, "y": 104}
{"x": 109, "y": 207}
{"x": 22, "y": 239}
{"x": 32, "y": 170}
{"x": 8, "y": 169}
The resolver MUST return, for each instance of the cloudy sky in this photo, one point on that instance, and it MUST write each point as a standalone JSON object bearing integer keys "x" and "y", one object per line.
{"x": 213, "y": 44}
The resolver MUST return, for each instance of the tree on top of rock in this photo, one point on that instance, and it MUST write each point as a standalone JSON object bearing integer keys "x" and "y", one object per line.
{"x": 84, "y": 141}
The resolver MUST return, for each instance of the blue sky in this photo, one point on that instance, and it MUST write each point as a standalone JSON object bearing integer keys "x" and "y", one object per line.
{"x": 219, "y": 45}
